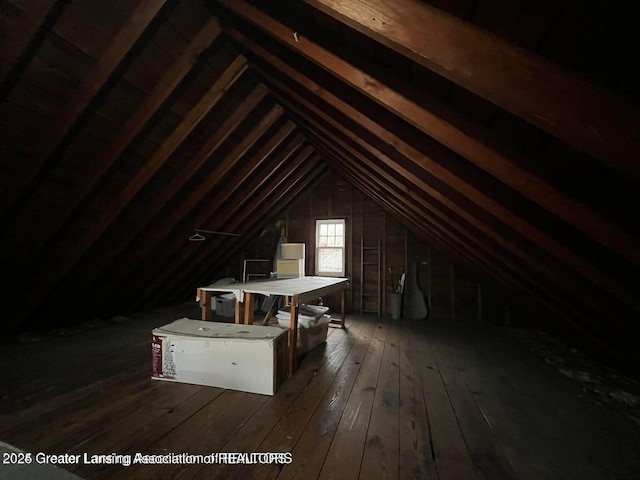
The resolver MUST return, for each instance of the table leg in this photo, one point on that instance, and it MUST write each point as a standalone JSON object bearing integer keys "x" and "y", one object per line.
{"x": 205, "y": 304}
{"x": 293, "y": 335}
{"x": 239, "y": 311}
{"x": 248, "y": 308}
{"x": 342, "y": 302}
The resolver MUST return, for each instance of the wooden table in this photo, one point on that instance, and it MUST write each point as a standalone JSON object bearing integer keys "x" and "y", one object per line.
{"x": 298, "y": 290}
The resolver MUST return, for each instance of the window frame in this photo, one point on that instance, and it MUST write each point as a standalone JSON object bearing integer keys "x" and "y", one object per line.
{"x": 331, "y": 221}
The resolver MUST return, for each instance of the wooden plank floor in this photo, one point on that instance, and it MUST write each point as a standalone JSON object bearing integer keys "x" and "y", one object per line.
{"x": 381, "y": 399}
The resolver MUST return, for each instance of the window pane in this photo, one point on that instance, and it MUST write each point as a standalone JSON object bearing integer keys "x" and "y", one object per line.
{"x": 323, "y": 229}
{"x": 339, "y": 229}
{"x": 332, "y": 242}
{"x": 323, "y": 241}
{"x": 330, "y": 260}
{"x": 332, "y": 229}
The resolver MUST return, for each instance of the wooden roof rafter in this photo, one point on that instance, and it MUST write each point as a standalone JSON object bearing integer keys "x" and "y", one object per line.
{"x": 123, "y": 138}
{"x": 437, "y": 214}
{"x": 268, "y": 193}
{"x": 219, "y": 201}
{"x": 141, "y": 19}
{"x": 576, "y": 111}
{"x": 288, "y": 189}
{"x": 158, "y": 251}
{"x": 518, "y": 224}
{"x": 67, "y": 258}
{"x": 483, "y": 154}
{"x": 491, "y": 264}
{"x": 17, "y": 50}
{"x": 124, "y": 252}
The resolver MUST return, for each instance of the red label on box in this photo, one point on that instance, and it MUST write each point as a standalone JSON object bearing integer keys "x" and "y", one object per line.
{"x": 156, "y": 356}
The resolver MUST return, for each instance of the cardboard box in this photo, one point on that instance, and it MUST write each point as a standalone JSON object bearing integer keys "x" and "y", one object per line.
{"x": 290, "y": 268}
{"x": 312, "y": 331}
{"x": 292, "y": 251}
{"x": 249, "y": 358}
{"x": 225, "y": 305}
{"x": 309, "y": 338}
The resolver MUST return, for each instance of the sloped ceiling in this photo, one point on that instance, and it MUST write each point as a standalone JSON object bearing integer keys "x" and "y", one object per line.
{"x": 503, "y": 133}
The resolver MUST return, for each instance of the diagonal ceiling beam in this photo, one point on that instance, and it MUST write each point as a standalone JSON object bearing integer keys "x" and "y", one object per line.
{"x": 481, "y": 263}
{"x": 121, "y": 140}
{"x": 369, "y": 173}
{"x": 250, "y": 206}
{"x": 115, "y": 263}
{"x": 390, "y": 197}
{"x": 56, "y": 140}
{"x": 157, "y": 253}
{"x": 525, "y": 84}
{"x": 27, "y": 34}
{"x": 282, "y": 193}
{"x": 66, "y": 258}
{"x": 538, "y": 191}
{"x": 559, "y": 252}
{"x": 482, "y": 153}
{"x": 251, "y": 210}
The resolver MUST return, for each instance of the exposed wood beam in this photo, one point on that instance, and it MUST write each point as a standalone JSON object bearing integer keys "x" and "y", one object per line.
{"x": 27, "y": 34}
{"x": 67, "y": 258}
{"x": 157, "y": 252}
{"x": 559, "y": 252}
{"x": 262, "y": 198}
{"x": 229, "y": 251}
{"x": 291, "y": 187}
{"x": 247, "y": 207}
{"x": 438, "y": 126}
{"x": 139, "y": 230}
{"x": 438, "y": 211}
{"x": 395, "y": 202}
{"x": 56, "y": 140}
{"x": 191, "y": 120}
{"x": 512, "y": 283}
{"x": 523, "y": 83}
{"x": 439, "y": 170}
{"x": 383, "y": 182}
{"x": 129, "y": 131}
{"x": 251, "y": 211}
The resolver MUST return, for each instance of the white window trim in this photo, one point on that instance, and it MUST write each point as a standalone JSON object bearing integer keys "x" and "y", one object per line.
{"x": 333, "y": 221}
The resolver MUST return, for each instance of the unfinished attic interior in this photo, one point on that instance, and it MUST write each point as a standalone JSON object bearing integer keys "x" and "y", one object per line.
{"x": 486, "y": 151}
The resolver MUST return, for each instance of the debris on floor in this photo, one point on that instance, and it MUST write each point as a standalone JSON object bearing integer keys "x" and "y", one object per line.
{"x": 607, "y": 386}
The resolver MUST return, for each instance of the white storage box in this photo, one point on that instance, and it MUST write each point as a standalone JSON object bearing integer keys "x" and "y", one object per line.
{"x": 249, "y": 358}
{"x": 224, "y": 305}
{"x": 313, "y": 326}
{"x": 309, "y": 338}
{"x": 290, "y": 268}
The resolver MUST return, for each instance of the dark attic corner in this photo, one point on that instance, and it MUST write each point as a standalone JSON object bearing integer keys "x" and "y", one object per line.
{"x": 368, "y": 238}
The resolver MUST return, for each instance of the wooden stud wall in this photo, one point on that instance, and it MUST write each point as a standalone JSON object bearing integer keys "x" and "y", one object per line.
{"x": 333, "y": 197}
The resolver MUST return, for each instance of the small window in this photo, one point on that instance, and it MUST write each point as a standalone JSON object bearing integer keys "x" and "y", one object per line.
{"x": 330, "y": 243}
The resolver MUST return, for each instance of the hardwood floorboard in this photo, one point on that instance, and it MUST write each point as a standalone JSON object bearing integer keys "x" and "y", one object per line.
{"x": 486, "y": 454}
{"x": 415, "y": 453}
{"x": 146, "y": 432}
{"x": 380, "y": 459}
{"x": 23, "y": 427}
{"x": 547, "y": 427}
{"x": 321, "y": 361}
{"x": 290, "y": 427}
{"x": 452, "y": 457}
{"x": 163, "y": 399}
{"x": 204, "y": 432}
{"x": 344, "y": 458}
{"x": 381, "y": 399}
{"x": 311, "y": 449}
